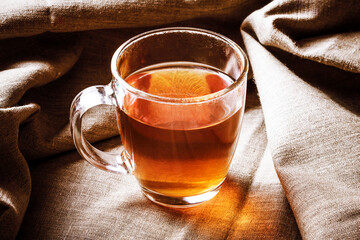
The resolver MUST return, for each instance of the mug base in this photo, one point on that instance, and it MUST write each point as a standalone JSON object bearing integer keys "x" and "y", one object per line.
{"x": 180, "y": 202}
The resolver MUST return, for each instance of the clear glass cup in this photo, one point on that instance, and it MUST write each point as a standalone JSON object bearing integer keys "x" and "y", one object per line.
{"x": 180, "y": 98}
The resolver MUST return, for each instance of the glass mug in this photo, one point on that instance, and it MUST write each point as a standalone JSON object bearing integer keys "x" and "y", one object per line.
{"x": 180, "y": 98}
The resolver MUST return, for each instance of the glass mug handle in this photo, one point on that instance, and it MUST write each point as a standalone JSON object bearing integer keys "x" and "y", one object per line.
{"x": 86, "y": 99}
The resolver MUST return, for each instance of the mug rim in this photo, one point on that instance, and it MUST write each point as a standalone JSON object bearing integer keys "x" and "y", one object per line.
{"x": 203, "y": 98}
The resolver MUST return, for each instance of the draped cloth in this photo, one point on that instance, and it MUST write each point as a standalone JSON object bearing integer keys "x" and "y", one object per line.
{"x": 296, "y": 173}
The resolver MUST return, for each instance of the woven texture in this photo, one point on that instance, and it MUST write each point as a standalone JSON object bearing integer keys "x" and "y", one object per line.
{"x": 296, "y": 173}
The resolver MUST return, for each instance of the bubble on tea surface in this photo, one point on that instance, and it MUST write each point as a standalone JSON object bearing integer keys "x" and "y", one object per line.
{"x": 179, "y": 83}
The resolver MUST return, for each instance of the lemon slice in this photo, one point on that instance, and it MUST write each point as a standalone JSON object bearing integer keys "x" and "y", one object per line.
{"x": 179, "y": 83}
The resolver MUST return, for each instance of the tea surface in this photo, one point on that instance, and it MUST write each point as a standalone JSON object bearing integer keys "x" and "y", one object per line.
{"x": 180, "y": 82}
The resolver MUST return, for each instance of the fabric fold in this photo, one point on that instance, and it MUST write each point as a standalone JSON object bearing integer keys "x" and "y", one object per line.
{"x": 313, "y": 30}
{"x": 35, "y": 17}
{"x": 314, "y": 137}
{"x": 15, "y": 181}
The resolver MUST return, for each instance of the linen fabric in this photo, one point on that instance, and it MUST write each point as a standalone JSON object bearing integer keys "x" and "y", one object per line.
{"x": 296, "y": 173}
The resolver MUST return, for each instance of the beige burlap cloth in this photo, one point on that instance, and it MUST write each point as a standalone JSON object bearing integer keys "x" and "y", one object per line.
{"x": 297, "y": 170}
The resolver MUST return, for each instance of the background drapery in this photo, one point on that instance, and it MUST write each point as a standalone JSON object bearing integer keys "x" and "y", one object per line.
{"x": 296, "y": 173}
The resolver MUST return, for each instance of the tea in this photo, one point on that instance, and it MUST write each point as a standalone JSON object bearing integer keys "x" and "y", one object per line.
{"x": 178, "y": 150}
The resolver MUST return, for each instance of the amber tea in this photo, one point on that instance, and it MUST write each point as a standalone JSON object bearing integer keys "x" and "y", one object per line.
{"x": 178, "y": 150}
